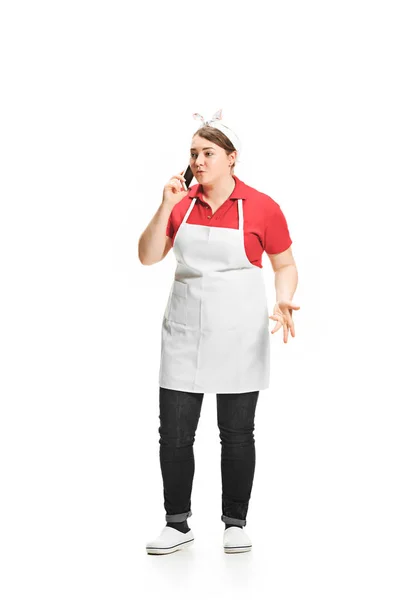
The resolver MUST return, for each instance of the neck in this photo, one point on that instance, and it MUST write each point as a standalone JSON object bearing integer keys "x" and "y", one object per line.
{"x": 219, "y": 190}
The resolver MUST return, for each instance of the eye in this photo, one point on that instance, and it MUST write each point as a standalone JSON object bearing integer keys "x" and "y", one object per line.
{"x": 192, "y": 154}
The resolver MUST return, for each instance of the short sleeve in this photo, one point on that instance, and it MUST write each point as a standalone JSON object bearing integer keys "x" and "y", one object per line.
{"x": 170, "y": 228}
{"x": 276, "y": 234}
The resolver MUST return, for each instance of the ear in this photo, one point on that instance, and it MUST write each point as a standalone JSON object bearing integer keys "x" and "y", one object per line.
{"x": 232, "y": 157}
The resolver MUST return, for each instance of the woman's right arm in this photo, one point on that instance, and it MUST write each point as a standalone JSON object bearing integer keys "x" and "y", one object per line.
{"x": 153, "y": 241}
{"x": 154, "y": 244}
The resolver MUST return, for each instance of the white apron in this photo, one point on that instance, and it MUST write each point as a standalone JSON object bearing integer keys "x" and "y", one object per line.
{"x": 215, "y": 329}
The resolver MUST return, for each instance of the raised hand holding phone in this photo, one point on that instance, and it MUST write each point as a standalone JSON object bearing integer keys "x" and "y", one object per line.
{"x": 173, "y": 193}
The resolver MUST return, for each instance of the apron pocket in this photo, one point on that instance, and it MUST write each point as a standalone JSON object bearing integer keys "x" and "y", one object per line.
{"x": 178, "y": 306}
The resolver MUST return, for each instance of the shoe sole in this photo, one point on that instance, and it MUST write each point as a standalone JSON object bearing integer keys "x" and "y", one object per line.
{"x": 236, "y": 549}
{"x": 170, "y": 549}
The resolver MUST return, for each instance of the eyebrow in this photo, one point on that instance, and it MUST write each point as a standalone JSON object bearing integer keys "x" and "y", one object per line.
{"x": 205, "y": 148}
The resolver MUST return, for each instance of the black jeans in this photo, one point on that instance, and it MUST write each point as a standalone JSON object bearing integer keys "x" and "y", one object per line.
{"x": 179, "y": 416}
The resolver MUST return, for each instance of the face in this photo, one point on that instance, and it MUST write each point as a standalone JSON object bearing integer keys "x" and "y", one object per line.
{"x": 209, "y": 161}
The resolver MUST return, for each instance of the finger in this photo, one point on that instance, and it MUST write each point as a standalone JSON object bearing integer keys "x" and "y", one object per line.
{"x": 176, "y": 184}
{"x": 178, "y": 179}
{"x": 182, "y": 183}
{"x": 283, "y": 322}
{"x": 291, "y": 324}
{"x": 285, "y": 333}
{"x": 277, "y": 317}
{"x": 278, "y": 324}
{"x": 292, "y": 330}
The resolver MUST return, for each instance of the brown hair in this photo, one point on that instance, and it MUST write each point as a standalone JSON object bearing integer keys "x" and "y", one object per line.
{"x": 212, "y": 134}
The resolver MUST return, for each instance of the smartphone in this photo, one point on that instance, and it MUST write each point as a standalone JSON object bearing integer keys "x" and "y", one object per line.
{"x": 188, "y": 175}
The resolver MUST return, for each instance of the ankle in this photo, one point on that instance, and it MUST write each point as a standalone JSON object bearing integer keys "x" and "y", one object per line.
{"x": 183, "y": 527}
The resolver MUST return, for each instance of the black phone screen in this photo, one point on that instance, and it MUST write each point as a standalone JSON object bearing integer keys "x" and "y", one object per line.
{"x": 188, "y": 175}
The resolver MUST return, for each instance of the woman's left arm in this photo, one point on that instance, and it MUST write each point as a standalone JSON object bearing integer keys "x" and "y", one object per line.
{"x": 286, "y": 278}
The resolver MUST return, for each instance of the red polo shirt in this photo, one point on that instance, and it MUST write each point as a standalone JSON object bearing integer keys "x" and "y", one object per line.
{"x": 265, "y": 227}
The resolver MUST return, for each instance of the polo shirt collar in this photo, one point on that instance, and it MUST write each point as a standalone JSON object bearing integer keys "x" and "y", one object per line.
{"x": 239, "y": 191}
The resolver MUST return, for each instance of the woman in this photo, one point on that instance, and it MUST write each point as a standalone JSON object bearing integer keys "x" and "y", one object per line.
{"x": 215, "y": 336}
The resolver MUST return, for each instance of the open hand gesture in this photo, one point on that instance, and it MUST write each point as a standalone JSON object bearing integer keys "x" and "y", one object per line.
{"x": 283, "y": 316}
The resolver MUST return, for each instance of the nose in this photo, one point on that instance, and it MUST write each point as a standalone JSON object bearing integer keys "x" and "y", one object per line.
{"x": 199, "y": 161}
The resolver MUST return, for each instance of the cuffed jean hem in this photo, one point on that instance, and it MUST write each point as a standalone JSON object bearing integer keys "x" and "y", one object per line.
{"x": 232, "y": 521}
{"x": 178, "y": 518}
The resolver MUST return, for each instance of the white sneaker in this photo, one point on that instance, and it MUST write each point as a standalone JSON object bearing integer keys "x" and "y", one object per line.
{"x": 236, "y": 540}
{"x": 170, "y": 540}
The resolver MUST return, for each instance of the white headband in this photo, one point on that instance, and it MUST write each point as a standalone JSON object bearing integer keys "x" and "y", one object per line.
{"x": 215, "y": 122}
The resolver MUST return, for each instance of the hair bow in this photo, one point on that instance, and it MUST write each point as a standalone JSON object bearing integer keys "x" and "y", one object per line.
{"x": 216, "y": 117}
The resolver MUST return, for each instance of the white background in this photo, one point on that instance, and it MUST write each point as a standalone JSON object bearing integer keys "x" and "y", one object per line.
{"x": 96, "y": 115}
